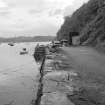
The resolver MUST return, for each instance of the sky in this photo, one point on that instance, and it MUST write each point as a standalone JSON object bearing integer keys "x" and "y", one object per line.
{"x": 34, "y": 17}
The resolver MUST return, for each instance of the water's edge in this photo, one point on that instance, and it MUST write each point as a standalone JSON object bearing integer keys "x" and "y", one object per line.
{"x": 40, "y": 86}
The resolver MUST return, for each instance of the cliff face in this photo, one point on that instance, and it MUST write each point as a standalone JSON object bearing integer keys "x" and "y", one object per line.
{"x": 88, "y": 21}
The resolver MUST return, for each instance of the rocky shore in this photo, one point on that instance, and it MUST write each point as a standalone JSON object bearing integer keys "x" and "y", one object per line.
{"x": 61, "y": 84}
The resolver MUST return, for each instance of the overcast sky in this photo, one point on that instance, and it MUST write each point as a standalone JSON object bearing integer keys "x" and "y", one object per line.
{"x": 34, "y": 17}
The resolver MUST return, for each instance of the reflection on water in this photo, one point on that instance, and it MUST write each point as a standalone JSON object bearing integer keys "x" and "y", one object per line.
{"x": 17, "y": 74}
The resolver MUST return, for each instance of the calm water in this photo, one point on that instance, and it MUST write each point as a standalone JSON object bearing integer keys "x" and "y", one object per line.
{"x": 18, "y": 74}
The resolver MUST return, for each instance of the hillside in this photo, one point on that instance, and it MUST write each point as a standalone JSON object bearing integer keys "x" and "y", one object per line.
{"x": 27, "y": 39}
{"x": 89, "y": 22}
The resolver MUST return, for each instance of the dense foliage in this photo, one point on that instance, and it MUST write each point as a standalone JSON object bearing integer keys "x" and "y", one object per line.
{"x": 88, "y": 21}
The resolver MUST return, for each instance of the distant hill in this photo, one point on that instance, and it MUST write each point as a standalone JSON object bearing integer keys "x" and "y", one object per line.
{"x": 27, "y": 39}
{"x": 89, "y": 22}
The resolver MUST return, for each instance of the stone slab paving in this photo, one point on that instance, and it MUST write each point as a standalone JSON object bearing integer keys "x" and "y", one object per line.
{"x": 55, "y": 98}
{"x": 57, "y": 83}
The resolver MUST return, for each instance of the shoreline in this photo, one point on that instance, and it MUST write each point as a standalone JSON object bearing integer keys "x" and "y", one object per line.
{"x": 61, "y": 81}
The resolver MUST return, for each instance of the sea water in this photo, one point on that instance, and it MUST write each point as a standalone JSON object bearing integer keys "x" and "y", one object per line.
{"x": 18, "y": 74}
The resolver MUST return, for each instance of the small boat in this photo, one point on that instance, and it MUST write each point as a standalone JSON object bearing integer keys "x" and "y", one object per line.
{"x": 39, "y": 53}
{"x": 11, "y": 44}
{"x": 24, "y": 51}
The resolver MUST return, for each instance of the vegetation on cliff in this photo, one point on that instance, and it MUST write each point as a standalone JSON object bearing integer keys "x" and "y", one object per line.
{"x": 88, "y": 21}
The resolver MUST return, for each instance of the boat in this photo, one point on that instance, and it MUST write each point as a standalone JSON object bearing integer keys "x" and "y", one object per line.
{"x": 39, "y": 53}
{"x": 11, "y": 44}
{"x": 24, "y": 51}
